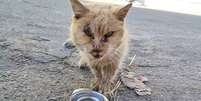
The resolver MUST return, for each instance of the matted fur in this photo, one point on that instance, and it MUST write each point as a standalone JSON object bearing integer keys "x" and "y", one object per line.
{"x": 101, "y": 19}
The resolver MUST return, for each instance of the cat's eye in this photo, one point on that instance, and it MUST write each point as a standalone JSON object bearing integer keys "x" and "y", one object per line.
{"x": 87, "y": 31}
{"x": 109, "y": 34}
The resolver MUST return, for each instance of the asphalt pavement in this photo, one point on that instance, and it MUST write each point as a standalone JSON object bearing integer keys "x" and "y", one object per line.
{"x": 34, "y": 65}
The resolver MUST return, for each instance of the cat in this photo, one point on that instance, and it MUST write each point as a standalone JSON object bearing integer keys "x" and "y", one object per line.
{"x": 99, "y": 33}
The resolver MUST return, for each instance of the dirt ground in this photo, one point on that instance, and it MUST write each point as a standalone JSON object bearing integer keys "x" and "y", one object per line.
{"x": 34, "y": 65}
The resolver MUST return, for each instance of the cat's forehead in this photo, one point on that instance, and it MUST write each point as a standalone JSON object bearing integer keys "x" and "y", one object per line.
{"x": 102, "y": 24}
{"x": 103, "y": 11}
{"x": 104, "y": 21}
{"x": 103, "y": 17}
{"x": 102, "y": 14}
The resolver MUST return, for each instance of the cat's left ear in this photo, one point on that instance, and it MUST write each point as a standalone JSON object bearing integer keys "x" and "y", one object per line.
{"x": 78, "y": 9}
{"x": 121, "y": 13}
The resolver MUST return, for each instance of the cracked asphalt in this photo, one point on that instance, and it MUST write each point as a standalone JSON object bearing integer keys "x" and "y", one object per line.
{"x": 34, "y": 65}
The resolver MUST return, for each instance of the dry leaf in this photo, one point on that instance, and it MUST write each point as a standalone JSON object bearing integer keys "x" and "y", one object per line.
{"x": 132, "y": 82}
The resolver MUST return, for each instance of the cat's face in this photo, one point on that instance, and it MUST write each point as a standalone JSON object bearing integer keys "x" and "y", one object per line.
{"x": 98, "y": 33}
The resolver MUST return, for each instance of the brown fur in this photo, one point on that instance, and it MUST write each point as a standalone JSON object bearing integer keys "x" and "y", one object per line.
{"x": 101, "y": 19}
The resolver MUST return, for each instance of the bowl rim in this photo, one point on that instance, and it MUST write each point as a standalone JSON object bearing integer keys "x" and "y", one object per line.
{"x": 82, "y": 90}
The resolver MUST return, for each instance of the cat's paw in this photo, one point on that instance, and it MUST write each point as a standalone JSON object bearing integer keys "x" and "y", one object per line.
{"x": 68, "y": 45}
{"x": 95, "y": 86}
{"x": 84, "y": 66}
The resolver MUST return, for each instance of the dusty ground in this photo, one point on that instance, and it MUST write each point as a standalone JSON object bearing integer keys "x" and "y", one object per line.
{"x": 34, "y": 66}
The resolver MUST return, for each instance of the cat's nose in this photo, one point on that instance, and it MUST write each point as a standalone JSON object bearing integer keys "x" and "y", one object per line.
{"x": 96, "y": 53}
{"x": 96, "y": 46}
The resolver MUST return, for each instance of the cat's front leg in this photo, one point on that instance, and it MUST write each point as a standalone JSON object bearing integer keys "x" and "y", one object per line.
{"x": 105, "y": 72}
{"x": 108, "y": 73}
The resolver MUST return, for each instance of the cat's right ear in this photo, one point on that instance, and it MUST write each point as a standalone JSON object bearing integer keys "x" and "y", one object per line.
{"x": 121, "y": 13}
{"x": 78, "y": 9}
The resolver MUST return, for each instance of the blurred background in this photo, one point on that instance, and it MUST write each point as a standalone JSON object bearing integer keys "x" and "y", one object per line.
{"x": 179, "y": 6}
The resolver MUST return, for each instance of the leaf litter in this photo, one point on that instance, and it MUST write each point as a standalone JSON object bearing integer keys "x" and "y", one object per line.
{"x": 132, "y": 81}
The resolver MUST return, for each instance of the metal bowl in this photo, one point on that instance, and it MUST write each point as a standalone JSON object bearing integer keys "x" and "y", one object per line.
{"x": 87, "y": 95}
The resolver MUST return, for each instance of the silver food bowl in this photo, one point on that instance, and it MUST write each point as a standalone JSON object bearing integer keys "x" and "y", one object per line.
{"x": 87, "y": 95}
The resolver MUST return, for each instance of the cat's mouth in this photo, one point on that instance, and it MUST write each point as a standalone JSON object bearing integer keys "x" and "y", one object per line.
{"x": 96, "y": 53}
